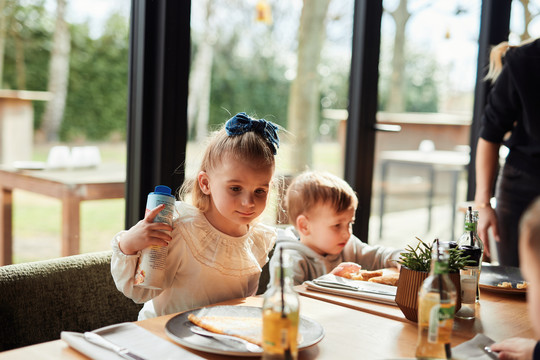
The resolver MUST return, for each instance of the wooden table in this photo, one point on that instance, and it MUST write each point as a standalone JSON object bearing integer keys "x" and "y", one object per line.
{"x": 452, "y": 162}
{"x": 353, "y": 328}
{"x": 107, "y": 181}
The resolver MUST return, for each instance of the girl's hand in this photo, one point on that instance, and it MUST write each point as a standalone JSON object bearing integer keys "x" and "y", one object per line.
{"x": 487, "y": 220}
{"x": 346, "y": 268}
{"x": 145, "y": 233}
{"x": 515, "y": 349}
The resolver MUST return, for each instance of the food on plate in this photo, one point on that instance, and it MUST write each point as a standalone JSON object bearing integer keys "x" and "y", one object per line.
{"x": 505, "y": 285}
{"x": 388, "y": 279}
{"x": 354, "y": 272}
{"x": 365, "y": 275}
{"x": 247, "y": 328}
{"x": 522, "y": 285}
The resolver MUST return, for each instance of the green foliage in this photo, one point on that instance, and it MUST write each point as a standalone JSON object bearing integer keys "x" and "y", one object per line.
{"x": 418, "y": 258}
{"x": 96, "y": 105}
{"x": 420, "y": 82}
{"x": 97, "y": 97}
{"x": 255, "y": 84}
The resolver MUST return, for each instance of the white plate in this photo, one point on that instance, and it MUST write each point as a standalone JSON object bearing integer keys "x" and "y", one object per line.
{"x": 178, "y": 329}
{"x": 29, "y": 165}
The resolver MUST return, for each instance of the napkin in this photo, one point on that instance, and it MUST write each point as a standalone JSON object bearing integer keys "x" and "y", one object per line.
{"x": 133, "y": 337}
{"x": 473, "y": 349}
{"x": 364, "y": 290}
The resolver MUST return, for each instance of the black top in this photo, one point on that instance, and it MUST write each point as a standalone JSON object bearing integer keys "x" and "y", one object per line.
{"x": 514, "y": 106}
{"x": 536, "y": 353}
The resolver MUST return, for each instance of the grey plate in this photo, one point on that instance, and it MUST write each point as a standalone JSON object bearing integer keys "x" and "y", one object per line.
{"x": 492, "y": 275}
{"x": 178, "y": 329}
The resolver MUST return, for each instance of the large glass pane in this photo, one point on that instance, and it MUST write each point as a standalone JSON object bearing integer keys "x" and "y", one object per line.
{"x": 63, "y": 104}
{"x": 524, "y": 21}
{"x": 427, "y": 77}
{"x": 283, "y": 66}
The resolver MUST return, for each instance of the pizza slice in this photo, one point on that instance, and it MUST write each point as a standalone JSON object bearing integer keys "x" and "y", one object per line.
{"x": 247, "y": 328}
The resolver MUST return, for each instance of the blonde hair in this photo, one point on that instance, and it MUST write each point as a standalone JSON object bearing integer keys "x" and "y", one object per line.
{"x": 314, "y": 188}
{"x": 529, "y": 228}
{"x": 496, "y": 56}
{"x": 250, "y": 147}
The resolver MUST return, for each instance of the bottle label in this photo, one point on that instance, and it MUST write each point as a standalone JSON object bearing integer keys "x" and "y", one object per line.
{"x": 469, "y": 226}
{"x": 433, "y": 329}
{"x": 150, "y": 271}
{"x": 441, "y": 318}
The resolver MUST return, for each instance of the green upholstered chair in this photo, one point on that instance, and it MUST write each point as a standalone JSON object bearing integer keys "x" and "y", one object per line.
{"x": 40, "y": 299}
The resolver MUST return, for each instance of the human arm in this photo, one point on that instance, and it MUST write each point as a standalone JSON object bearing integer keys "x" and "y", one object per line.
{"x": 145, "y": 233}
{"x": 370, "y": 257}
{"x": 126, "y": 253}
{"x": 515, "y": 349}
{"x": 487, "y": 156}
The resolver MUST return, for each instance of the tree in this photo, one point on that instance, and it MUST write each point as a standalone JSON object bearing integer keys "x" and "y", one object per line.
{"x": 201, "y": 76}
{"x": 58, "y": 76}
{"x": 396, "y": 99}
{"x": 305, "y": 93}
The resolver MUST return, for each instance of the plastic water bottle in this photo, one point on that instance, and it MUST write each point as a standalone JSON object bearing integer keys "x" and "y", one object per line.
{"x": 151, "y": 267}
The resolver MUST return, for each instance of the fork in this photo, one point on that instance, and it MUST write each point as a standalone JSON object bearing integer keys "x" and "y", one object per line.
{"x": 249, "y": 346}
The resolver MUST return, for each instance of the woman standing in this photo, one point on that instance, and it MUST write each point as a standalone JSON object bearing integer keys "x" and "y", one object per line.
{"x": 511, "y": 118}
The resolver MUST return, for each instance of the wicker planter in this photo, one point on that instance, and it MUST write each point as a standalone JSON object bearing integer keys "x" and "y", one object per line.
{"x": 409, "y": 284}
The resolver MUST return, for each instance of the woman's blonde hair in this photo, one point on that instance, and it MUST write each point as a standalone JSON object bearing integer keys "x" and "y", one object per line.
{"x": 250, "y": 147}
{"x": 313, "y": 188}
{"x": 496, "y": 56}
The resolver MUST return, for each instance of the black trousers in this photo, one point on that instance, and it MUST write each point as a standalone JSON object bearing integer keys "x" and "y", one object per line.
{"x": 515, "y": 191}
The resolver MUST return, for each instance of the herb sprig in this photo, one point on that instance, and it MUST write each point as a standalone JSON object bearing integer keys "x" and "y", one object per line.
{"x": 418, "y": 258}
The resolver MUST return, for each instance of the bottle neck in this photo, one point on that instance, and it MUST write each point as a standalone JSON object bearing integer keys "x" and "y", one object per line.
{"x": 439, "y": 267}
{"x": 440, "y": 259}
{"x": 470, "y": 226}
{"x": 278, "y": 281}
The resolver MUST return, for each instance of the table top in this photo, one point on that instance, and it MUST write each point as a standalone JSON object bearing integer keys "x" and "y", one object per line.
{"x": 104, "y": 173}
{"x": 351, "y": 326}
{"x": 435, "y": 157}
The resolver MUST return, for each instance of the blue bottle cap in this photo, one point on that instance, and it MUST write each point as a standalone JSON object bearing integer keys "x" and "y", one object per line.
{"x": 162, "y": 189}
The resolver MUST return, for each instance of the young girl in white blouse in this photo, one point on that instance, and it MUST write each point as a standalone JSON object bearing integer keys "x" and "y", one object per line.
{"x": 216, "y": 248}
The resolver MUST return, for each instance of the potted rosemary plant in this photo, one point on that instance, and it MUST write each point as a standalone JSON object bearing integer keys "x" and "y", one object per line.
{"x": 415, "y": 264}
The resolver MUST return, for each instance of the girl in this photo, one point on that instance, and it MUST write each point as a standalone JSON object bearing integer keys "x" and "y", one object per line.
{"x": 216, "y": 250}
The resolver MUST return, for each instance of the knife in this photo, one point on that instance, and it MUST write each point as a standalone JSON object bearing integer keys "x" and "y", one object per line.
{"x": 101, "y": 341}
{"x": 337, "y": 285}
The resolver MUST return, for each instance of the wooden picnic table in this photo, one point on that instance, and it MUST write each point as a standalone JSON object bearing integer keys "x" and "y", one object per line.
{"x": 70, "y": 186}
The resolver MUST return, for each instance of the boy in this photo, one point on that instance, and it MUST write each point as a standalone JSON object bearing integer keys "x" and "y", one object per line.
{"x": 321, "y": 207}
{"x": 529, "y": 254}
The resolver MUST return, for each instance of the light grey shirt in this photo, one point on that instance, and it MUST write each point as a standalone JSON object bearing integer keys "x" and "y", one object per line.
{"x": 309, "y": 265}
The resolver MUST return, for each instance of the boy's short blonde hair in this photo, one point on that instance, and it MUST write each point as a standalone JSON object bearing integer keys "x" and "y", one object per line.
{"x": 313, "y": 188}
{"x": 529, "y": 228}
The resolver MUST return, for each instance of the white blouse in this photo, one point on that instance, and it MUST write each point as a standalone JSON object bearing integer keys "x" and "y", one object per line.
{"x": 204, "y": 266}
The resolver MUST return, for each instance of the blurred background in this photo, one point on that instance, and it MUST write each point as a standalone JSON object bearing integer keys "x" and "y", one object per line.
{"x": 287, "y": 61}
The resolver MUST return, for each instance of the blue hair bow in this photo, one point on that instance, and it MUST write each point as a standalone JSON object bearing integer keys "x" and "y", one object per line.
{"x": 241, "y": 123}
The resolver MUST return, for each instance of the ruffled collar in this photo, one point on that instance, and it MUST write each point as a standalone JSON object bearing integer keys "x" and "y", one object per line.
{"x": 237, "y": 256}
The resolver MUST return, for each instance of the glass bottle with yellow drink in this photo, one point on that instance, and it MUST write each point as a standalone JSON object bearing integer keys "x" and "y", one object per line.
{"x": 436, "y": 307}
{"x": 280, "y": 314}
